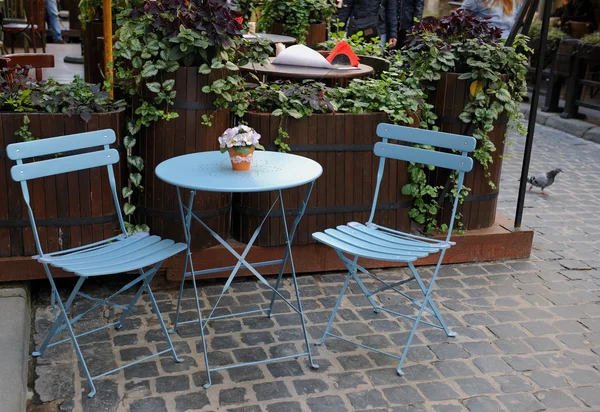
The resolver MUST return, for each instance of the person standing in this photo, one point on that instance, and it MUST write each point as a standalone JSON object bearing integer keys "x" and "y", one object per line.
{"x": 408, "y": 11}
{"x": 53, "y": 21}
{"x": 374, "y": 18}
{"x": 501, "y": 13}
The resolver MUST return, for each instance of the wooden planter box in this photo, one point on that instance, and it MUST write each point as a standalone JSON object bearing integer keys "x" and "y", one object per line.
{"x": 317, "y": 33}
{"x": 479, "y": 209}
{"x": 343, "y": 145}
{"x": 71, "y": 209}
{"x": 93, "y": 52}
{"x": 158, "y": 206}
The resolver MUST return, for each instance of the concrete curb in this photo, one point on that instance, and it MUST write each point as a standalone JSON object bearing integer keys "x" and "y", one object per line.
{"x": 575, "y": 127}
{"x": 15, "y": 321}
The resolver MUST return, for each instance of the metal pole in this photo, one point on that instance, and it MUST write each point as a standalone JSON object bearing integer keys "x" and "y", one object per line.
{"x": 108, "y": 41}
{"x": 535, "y": 96}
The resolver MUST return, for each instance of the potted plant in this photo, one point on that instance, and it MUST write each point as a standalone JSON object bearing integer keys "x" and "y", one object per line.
{"x": 32, "y": 110}
{"x": 475, "y": 84}
{"x": 177, "y": 60}
{"x": 240, "y": 142}
{"x": 306, "y": 20}
{"x": 336, "y": 127}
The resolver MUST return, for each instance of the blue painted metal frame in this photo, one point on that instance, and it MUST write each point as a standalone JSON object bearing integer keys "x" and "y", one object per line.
{"x": 377, "y": 242}
{"x": 88, "y": 256}
{"x": 186, "y": 217}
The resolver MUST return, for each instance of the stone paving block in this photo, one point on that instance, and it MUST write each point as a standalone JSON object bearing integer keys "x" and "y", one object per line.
{"x": 271, "y": 390}
{"x": 512, "y": 346}
{"x": 492, "y": 365}
{"x": 522, "y": 363}
{"x": 354, "y": 362}
{"x": 191, "y": 401}
{"x": 245, "y": 373}
{"x": 284, "y": 407}
{"x": 512, "y": 383}
{"x": 521, "y": 402}
{"x": 285, "y": 368}
{"x": 482, "y": 403}
{"x": 328, "y": 403}
{"x": 446, "y": 351}
{"x": 479, "y": 348}
{"x": 149, "y": 404}
{"x": 309, "y": 386}
{"x": 141, "y": 370}
{"x": 403, "y": 395}
{"x": 367, "y": 400}
{"x": 249, "y": 408}
{"x": 549, "y": 379}
{"x": 507, "y": 331}
{"x": 556, "y": 399}
{"x": 437, "y": 391}
{"x": 583, "y": 376}
{"x": 475, "y": 386}
{"x": 588, "y": 395}
{"x": 542, "y": 344}
{"x": 232, "y": 396}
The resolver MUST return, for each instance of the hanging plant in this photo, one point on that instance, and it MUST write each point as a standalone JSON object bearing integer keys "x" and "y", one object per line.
{"x": 155, "y": 38}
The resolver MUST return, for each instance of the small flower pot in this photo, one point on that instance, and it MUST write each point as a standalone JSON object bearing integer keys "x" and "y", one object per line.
{"x": 241, "y": 162}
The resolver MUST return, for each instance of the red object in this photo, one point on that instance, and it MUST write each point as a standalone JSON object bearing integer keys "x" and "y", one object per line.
{"x": 343, "y": 48}
{"x": 239, "y": 19}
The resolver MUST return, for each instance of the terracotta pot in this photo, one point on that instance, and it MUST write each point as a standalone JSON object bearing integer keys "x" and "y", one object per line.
{"x": 239, "y": 161}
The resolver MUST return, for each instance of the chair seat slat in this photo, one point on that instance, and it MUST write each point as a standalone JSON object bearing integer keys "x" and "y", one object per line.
{"x": 43, "y": 168}
{"x": 113, "y": 250}
{"x": 365, "y": 243}
{"x": 134, "y": 265}
{"x": 110, "y": 259}
{"x": 360, "y": 252}
{"x": 390, "y": 237}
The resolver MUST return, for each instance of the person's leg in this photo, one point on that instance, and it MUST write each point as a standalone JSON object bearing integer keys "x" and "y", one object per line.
{"x": 53, "y": 21}
{"x": 383, "y": 38}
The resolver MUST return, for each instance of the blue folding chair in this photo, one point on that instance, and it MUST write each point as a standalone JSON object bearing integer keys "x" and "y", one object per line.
{"x": 376, "y": 242}
{"x": 122, "y": 253}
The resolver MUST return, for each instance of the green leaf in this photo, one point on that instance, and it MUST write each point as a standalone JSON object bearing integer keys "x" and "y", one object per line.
{"x": 128, "y": 209}
{"x": 153, "y": 87}
{"x": 129, "y": 142}
{"x": 126, "y": 192}
{"x": 136, "y": 162}
{"x": 136, "y": 179}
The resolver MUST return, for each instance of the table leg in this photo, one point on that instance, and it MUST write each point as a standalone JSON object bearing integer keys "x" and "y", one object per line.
{"x": 293, "y": 269}
{"x": 187, "y": 223}
{"x": 289, "y": 240}
{"x": 187, "y": 216}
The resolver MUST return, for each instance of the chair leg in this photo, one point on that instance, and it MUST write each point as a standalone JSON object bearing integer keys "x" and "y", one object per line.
{"x": 431, "y": 303}
{"x": 162, "y": 325}
{"x": 420, "y": 314}
{"x": 335, "y": 308}
{"x": 65, "y": 318}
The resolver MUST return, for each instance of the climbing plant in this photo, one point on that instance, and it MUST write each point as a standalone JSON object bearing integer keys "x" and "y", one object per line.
{"x": 155, "y": 38}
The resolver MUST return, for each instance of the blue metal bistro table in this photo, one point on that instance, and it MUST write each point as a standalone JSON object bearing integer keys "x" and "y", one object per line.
{"x": 212, "y": 172}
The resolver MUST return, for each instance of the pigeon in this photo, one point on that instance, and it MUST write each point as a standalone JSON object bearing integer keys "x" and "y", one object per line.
{"x": 543, "y": 180}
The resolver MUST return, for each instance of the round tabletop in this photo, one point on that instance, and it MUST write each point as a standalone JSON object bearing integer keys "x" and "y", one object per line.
{"x": 301, "y": 72}
{"x": 271, "y": 38}
{"x": 212, "y": 172}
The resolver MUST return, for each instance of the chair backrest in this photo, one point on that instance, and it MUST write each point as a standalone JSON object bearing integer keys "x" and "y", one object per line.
{"x": 37, "y": 61}
{"x": 14, "y": 11}
{"x": 69, "y": 159}
{"x": 446, "y": 159}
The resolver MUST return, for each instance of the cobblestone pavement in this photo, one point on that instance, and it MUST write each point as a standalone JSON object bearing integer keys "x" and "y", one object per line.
{"x": 528, "y": 331}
